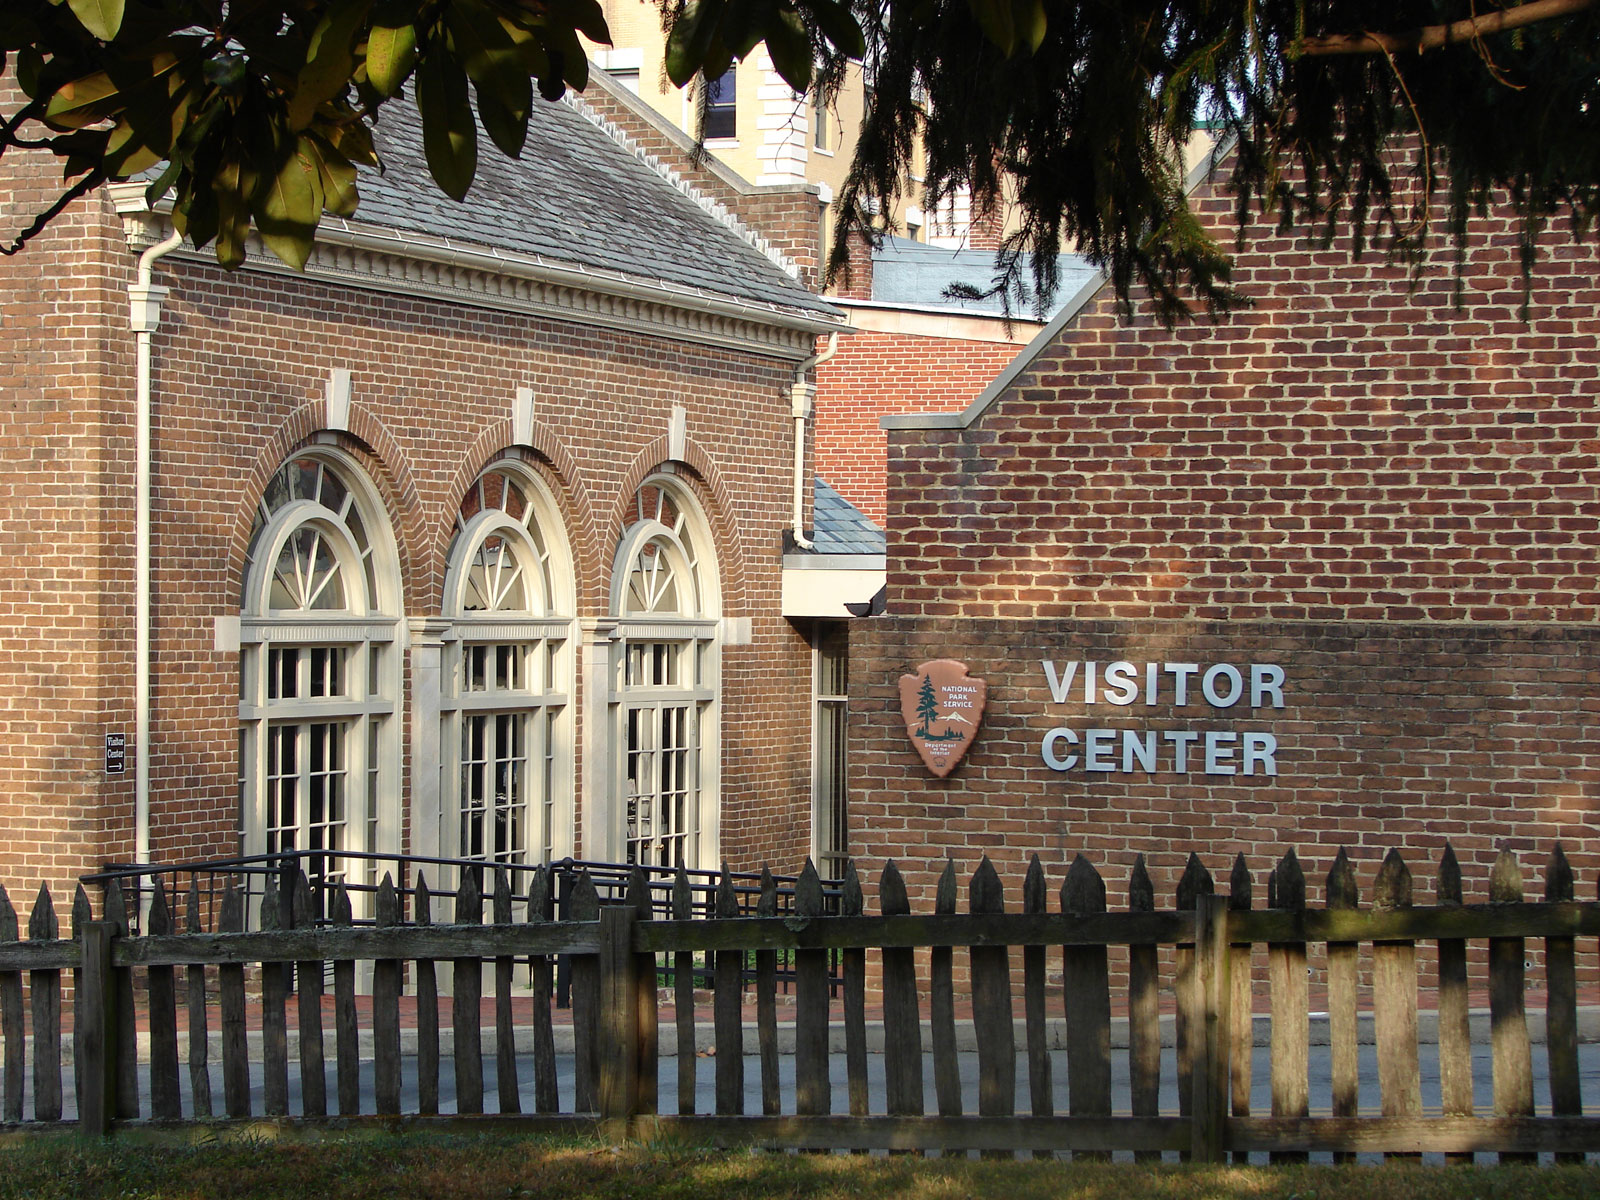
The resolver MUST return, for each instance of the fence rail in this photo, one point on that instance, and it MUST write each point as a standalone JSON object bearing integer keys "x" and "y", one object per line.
{"x": 1204, "y": 950}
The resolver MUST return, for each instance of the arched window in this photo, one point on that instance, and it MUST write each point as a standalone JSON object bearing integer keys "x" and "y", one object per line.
{"x": 319, "y": 667}
{"x": 665, "y": 678}
{"x": 507, "y": 713}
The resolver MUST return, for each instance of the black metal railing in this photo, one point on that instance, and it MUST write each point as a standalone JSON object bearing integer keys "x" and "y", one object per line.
{"x": 360, "y": 873}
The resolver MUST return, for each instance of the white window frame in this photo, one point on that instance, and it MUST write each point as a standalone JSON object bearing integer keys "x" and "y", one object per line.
{"x": 829, "y": 823}
{"x": 541, "y": 636}
{"x": 366, "y": 630}
{"x": 690, "y": 635}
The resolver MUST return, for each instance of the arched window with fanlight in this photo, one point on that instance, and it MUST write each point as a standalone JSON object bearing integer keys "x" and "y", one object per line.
{"x": 506, "y": 711}
{"x": 319, "y": 666}
{"x": 665, "y": 674}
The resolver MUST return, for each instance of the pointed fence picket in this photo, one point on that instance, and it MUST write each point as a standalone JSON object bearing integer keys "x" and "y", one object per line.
{"x": 615, "y": 949}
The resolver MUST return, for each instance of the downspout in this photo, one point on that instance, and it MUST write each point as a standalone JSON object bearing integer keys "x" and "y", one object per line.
{"x": 144, "y": 315}
{"x": 802, "y": 395}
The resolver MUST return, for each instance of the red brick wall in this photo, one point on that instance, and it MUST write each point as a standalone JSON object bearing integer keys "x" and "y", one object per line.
{"x": 241, "y": 364}
{"x": 66, "y": 531}
{"x": 1390, "y": 734}
{"x": 878, "y": 374}
{"x": 1393, "y": 497}
{"x": 431, "y": 387}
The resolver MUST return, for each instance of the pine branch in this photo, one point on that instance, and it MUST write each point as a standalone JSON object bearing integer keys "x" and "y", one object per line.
{"x": 1432, "y": 37}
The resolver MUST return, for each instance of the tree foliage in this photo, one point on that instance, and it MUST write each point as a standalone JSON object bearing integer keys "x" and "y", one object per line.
{"x": 1355, "y": 115}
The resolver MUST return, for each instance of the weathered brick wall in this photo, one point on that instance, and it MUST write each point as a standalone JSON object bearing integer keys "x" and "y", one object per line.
{"x": 1389, "y": 735}
{"x": 1392, "y": 497}
{"x": 874, "y": 375}
{"x": 66, "y": 532}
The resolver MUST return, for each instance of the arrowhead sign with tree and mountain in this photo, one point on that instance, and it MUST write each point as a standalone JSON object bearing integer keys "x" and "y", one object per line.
{"x": 942, "y": 706}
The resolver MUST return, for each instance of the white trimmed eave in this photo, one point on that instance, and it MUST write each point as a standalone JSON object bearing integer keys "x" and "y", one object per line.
{"x": 396, "y": 262}
{"x": 1081, "y": 300}
{"x": 820, "y": 585}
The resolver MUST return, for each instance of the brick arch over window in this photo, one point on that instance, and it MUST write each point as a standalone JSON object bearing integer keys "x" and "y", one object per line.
{"x": 559, "y": 470}
{"x": 379, "y": 456}
{"x": 705, "y": 480}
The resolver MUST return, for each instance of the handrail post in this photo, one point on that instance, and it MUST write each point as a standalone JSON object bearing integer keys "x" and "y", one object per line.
{"x": 1209, "y": 1108}
{"x": 96, "y": 1042}
{"x": 619, "y": 1018}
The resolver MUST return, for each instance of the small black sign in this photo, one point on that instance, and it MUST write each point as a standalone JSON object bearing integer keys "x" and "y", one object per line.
{"x": 116, "y": 753}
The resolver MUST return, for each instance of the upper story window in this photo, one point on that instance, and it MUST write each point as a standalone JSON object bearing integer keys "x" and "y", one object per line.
{"x": 722, "y": 116}
{"x": 319, "y": 669}
{"x": 819, "y": 125}
{"x": 507, "y": 725}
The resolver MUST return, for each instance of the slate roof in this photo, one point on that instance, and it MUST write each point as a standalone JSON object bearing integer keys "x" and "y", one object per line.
{"x": 911, "y": 273}
{"x": 841, "y": 527}
{"x": 576, "y": 197}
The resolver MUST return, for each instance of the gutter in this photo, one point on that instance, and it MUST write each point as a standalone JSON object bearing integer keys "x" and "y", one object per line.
{"x": 144, "y": 316}
{"x": 338, "y": 234}
{"x": 802, "y": 397}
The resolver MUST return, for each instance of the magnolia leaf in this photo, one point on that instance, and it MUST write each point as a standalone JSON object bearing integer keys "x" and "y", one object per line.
{"x": 586, "y": 16}
{"x": 568, "y": 55}
{"x": 290, "y": 206}
{"x": 233, "y": 214}
{"x": 330, "y": 60}
{"x": 506, "y": 124}
{"x": 485, "y": 49}
{"x": 391, "y": 53}
{"x": 352, "y": 140}
{"x": 743, "y": 25}
{"x": 126, "y": 155}
{"x": 82, "y": 102}
{"x": 449, "y": 134}
{"x": 790, "y": 48}
{"x": 103, "y": 18}
{"x": 338, "y": 177}
{"x": 842, "y": 29}
{"x": 1032, "y": 23}
{"x": 29, "y": 63}
{"x": 162, "y": 182}
{"x": 995, "y": 18}
{"x": 534, "y": 62}
{"x": 690, "y": 38}
{"x": 196, "y": 203}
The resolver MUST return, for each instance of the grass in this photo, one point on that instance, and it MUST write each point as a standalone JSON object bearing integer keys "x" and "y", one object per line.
{"x": 503, "y": 1167}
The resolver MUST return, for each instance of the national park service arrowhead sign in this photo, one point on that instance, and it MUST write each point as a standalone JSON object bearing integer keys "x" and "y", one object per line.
{"x": 942, "y": 706}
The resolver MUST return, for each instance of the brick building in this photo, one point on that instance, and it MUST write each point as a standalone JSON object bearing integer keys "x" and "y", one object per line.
{"x": 467, "y": 541}
{"x": 1319, "y": 574}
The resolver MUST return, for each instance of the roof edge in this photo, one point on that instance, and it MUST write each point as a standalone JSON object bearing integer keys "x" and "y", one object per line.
{"x": 601, "y": 80}
{"x": 1069, "y": 313}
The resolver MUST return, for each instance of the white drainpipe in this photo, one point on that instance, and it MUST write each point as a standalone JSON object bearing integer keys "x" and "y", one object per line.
{"x": 144, "y": 315}
{"x": 802, "y": 394}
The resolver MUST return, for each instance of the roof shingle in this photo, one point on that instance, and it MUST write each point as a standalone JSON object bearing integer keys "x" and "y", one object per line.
{"x": 575, "y": 197}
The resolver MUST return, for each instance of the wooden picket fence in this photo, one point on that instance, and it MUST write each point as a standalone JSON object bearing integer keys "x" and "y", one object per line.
{"x": 616, "y": 951}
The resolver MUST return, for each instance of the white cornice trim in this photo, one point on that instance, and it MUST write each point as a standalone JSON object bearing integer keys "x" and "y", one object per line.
{"x": 883, "y": 316}
{"x": 401, "y": 263}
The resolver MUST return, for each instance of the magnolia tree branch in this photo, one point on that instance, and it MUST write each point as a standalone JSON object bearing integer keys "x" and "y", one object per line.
{"x": 1432, "y": 37}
